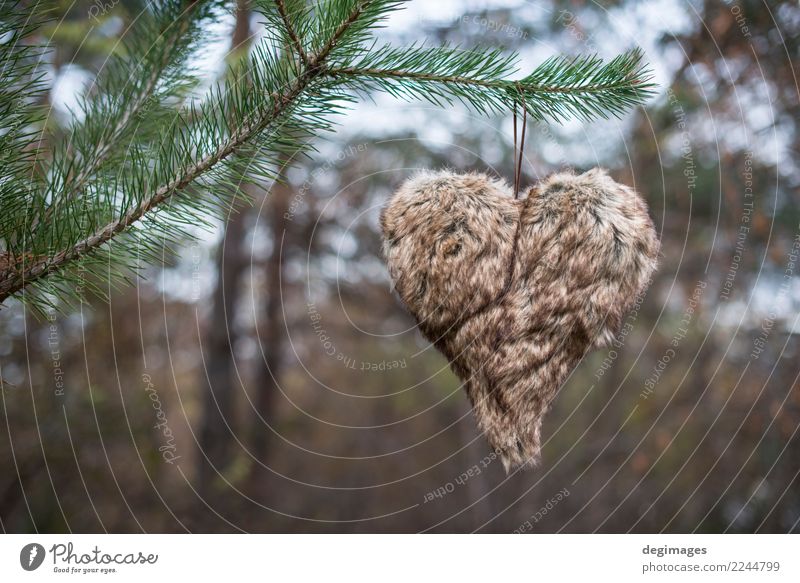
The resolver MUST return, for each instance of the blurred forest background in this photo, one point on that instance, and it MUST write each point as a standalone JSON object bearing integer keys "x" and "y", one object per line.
{"x": 268, "y": 379}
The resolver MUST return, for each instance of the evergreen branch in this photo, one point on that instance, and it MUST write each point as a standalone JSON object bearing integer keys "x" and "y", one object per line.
{"x": 290, "y": 31}
{"x": 583, "y": 87}
{"x": 166, "y": 41}
{"x": 358, "y": 32}
{"x": 22, "y": 92}
{"x": 35, "y": 268}
{"x": 121, "y": 119}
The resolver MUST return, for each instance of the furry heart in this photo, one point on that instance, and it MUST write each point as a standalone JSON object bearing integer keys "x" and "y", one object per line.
{"x": 515, "y": 292}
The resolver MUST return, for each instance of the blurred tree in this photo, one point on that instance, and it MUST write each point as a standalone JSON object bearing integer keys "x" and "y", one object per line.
{"x": 217, "y": 416}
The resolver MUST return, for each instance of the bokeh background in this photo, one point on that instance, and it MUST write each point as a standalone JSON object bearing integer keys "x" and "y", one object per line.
{"x": 266, "y": 379}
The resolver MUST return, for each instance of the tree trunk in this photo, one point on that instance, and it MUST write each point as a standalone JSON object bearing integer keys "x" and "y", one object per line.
{"x": 272, "y": 336}
{"x": 216, "y": 436}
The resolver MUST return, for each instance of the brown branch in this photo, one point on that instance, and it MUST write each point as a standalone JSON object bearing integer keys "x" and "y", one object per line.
{"x": 292, "y": 33}
{"x": 458, "y": 80}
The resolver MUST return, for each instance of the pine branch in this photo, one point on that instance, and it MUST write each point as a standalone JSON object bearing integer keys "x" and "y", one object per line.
{"x": 21, "y": 93}
{"x": 290, "y": 31}
{"x": 359, "y": 31}
{"x": 561, "y": 87}
{"x": 106, "y": 126}
{"x": 33, "y": 270}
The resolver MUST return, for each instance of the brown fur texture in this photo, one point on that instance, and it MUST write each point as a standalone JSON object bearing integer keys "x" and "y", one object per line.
{"x": 514, "y": 324}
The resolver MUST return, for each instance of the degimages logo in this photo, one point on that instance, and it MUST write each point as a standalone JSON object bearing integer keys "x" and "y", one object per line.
{"x": 31, "y": 556}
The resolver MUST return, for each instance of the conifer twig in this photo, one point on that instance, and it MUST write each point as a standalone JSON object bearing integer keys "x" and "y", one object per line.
{"x": 298, "y": 45}
{"x": 41, "y": 267}
{"x": 105, "y": 148}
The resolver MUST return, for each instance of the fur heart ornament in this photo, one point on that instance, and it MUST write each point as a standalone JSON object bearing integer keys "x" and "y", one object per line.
{"x": 514, "y": 291}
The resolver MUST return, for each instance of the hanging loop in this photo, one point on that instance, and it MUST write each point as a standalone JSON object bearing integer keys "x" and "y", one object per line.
{"x": 518, "y": 155}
